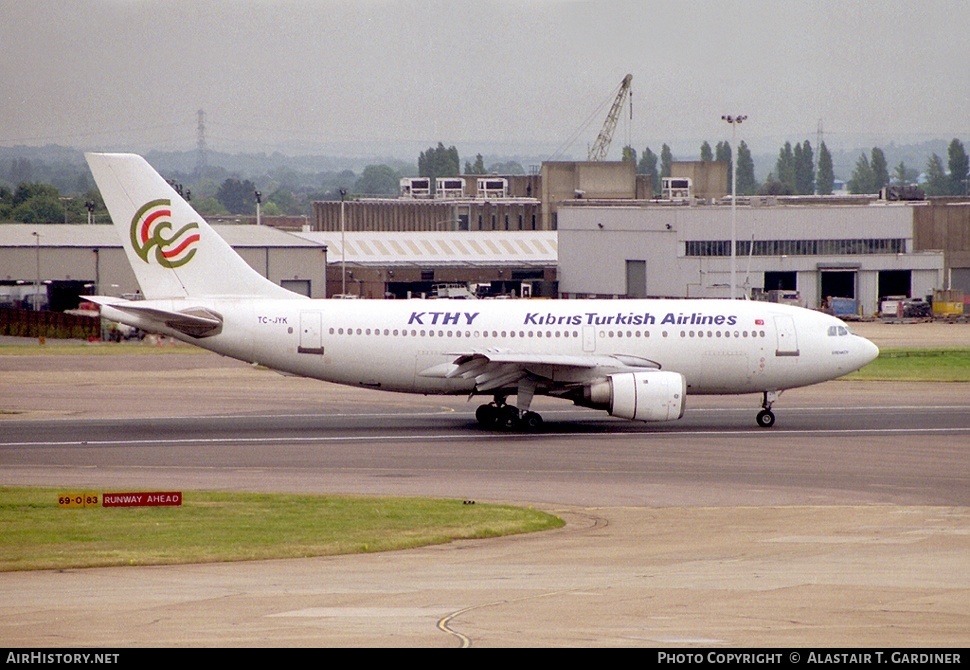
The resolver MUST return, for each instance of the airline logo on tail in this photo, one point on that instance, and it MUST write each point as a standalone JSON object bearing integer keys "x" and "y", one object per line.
{"x": 151, "y": 229}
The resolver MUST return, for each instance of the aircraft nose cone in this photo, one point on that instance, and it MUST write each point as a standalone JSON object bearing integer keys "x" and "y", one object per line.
{"x": 868, "y": 352}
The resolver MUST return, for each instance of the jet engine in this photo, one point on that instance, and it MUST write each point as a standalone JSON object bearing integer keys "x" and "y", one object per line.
{"x": 651, "y": 395}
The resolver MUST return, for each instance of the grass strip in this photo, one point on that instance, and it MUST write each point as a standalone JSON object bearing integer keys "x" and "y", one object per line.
{"x": 75, "y": 348}
{"x": 222, "y": 527}
{"x": 925, "y": 365}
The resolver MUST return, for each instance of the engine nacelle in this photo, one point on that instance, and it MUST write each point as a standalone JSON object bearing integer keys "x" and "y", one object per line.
{"x": 651, "y": 395}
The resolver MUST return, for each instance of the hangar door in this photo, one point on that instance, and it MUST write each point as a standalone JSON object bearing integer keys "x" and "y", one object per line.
{"x": 301, "y": 286}
{"x": 838, "y": 283}
{"x": 895, "y": 282}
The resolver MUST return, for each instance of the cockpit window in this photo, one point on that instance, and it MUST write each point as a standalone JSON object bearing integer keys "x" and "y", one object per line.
{"x": 838, "y": 331}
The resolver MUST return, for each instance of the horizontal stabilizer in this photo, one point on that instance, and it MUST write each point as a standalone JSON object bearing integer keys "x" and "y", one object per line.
{"x": 195, "y": 322}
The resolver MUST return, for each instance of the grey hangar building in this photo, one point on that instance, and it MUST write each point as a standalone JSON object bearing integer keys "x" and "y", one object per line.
{"x": 575, "y": 230}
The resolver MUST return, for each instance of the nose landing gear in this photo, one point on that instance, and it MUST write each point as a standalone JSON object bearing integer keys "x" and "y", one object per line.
{"x": 766, "y": 418}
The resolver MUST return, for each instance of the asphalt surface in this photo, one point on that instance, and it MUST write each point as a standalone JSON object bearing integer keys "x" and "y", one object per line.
{"x": 847, "y": 524}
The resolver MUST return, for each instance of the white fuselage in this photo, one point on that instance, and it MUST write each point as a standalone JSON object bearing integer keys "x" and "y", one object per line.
{"x": 720, "y": 346}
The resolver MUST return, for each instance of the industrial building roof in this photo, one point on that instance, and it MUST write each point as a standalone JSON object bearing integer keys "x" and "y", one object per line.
{"x": 518, "y": 248}
{"x": 105, "y": 236}
{"x": 492, "y": 248}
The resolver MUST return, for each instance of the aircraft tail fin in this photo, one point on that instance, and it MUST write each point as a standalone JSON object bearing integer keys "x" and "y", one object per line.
{"x": 172, "y": 250}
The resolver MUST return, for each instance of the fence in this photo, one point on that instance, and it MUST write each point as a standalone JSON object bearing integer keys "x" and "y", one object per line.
{"x": 55, "y": 325}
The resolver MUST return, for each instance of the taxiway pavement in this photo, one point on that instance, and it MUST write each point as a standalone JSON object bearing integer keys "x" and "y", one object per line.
{"x": 848, "y": 524}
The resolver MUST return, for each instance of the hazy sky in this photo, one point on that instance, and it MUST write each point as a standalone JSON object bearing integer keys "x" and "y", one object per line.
{"x": 502, "y": 76}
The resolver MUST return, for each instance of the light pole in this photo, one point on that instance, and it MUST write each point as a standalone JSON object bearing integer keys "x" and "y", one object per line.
{"x": 735, "y": 121}
{"x": 343, "y": 246}
{"x": 37, "y": 284}
{"x": 259, "y": 201}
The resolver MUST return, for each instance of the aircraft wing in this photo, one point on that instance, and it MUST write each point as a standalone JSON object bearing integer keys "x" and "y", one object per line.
{"x": 496, "y": 369}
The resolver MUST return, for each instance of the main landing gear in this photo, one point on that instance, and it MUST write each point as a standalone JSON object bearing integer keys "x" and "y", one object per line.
{"x": 766, "y": 418}
{"x": 498, "y": 414}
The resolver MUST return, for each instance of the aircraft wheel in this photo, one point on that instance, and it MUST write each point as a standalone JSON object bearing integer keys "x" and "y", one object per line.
{"x": 487, "y": 415}
{"x": 766, "y": 419}
{"x": 508, "y": 417}
{"x": 532, "y": 422}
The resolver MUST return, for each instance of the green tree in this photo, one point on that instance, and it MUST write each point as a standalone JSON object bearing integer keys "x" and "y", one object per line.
{"x": 804, "y": 169}
{"x": 899, "y": 173}
{"x": 880, "y": 170}
{"x": 825, "y": 180}
{"x": 209, "y": 206}
{"x": 862, "y": 179}
{"x": 41, "y": 203}
{"x": 937, "y": 181}
{"x": 785, "y": 168}
{"x": 380, "y": 180}
{"x": 238, "y": 197}
{"x": 477, "y": 168}
{"x": 41, "y": 209}
{"x": 6, "y": 203}
{"x": 439, "y": 162}
{"x": 271, "y": 209}
{"x": 746, "y": 181}
{"x": 648, "y": 165}
{"x": 629, "y": 154}
{"x": 666, "y": 159}
{"x": 959, "y": 165}
{"x": 284, "y": 201}
{"x": 722, "y": 153}
{"x": 903, "y": 175}
{"x": 773, "y": 186}
{"x": 26, "y": 192}
{"x": 706, "y": 154}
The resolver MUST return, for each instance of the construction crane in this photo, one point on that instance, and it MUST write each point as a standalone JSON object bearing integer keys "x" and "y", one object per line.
{"x": 602, "y": 144}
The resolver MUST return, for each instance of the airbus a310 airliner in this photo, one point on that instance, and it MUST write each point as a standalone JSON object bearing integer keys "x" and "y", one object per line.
{"x": 636, "y": 359}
